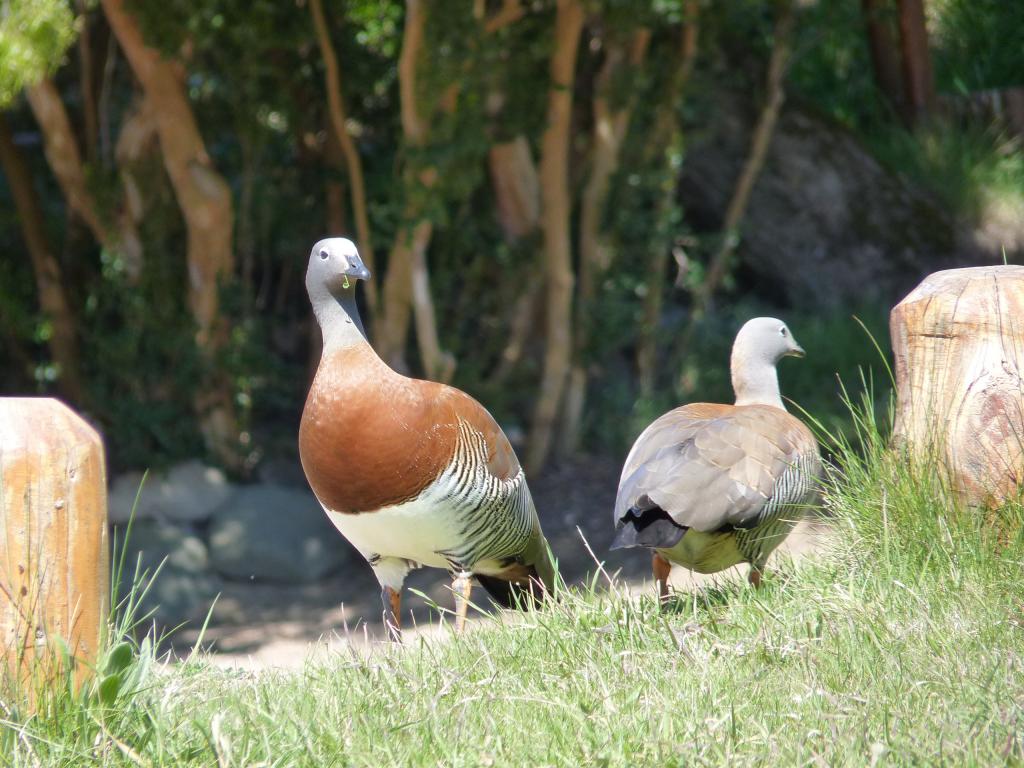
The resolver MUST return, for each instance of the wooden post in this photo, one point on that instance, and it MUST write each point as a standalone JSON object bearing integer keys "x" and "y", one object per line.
{"x": 958, "y": 341}
{"x": 54, "y": 564}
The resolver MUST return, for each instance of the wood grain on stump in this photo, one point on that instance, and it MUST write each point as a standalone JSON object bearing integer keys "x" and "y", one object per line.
{"x": 54, "y": 565}
{"x": 958, "y": 340}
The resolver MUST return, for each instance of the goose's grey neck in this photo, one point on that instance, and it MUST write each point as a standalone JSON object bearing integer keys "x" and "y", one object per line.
{"x": 338, "y": 317}
{"x": 756, "y": 382}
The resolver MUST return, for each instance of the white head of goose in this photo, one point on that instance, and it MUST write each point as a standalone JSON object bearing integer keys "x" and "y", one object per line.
{"x": 411, "y": 472}
{"x": 709, "y": 485}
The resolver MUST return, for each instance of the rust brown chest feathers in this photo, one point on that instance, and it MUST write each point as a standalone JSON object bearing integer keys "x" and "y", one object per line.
{"x": 371, "y": 438}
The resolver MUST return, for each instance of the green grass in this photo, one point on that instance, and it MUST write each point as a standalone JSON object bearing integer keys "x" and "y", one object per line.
{"x": 903, "y": 645}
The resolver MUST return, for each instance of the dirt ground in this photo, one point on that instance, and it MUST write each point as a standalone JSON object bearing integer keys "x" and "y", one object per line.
{"x": 257, "y": 625}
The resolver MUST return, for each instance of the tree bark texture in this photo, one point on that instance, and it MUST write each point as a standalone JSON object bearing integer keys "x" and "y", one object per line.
{"x": 65, "y": 161}
{"x": 958, "y": 343}
{"x": 517, "y": 196}
{"x": 555, "y": 221}
{"x": 137, "y": 139}
{"x": 918, "y": 80}
{"x": 86, "y": 81}
{"x": 339, "y": 127}
{"x": 54, "y": 563}
{"x": 407, "y": 284}
{"x": 205, "y": 201}
{"x": 53, "y": 300}
{"x": 611, "y": 122}
{"x": 879, "y": 16}
{"x": 763, "y": 131}
{"x": 516, "y": 187}
{"x": 667, "y": 139}
{"x": 336, "y": 217}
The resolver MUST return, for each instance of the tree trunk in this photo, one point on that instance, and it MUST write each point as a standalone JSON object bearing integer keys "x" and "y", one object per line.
{"x": 138, "y": 137}
{"x": 666, "y": 139}
{"x": 610, "y": 127}
{"x": 336, "y": 112}
{"x": 205, "y": 200}
{"x": 65, "y": 161}
{"x": 761, "y": 139}
{"x": 517, "y": 196}
{"x": 957, "y": 342}
{"x": 516, "y": 187}
{"x": 334, "y": 189}
{"x": 522, "y": 319}
{"x": 87, "y": 81}
{"x": 407, "y": 285}
{"x": 63, "y": 340}
{"x": 555, "y": 215}
{"x": 917, "y": 61}
{"x": 885, "y": 55}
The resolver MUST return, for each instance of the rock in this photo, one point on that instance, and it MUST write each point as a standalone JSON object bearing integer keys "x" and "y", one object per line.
{"x": 184, "y": 588}
{"x": 276, "y": 534}
{"x": 189, "y": 492}
{"x": 826, "y": 224}
{"x": 279, "y": 471}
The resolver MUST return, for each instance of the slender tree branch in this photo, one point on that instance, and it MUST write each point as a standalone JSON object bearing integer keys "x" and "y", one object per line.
{"x": 557, "y": 205}
{"x": 336, "y": 111}
{"x": 759, "y": 143}
{"x": 53, "y": 300}
{"x": 511, "y": 11}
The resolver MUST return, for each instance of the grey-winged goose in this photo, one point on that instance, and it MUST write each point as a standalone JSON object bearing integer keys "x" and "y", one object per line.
{"x": 708, "y": 485}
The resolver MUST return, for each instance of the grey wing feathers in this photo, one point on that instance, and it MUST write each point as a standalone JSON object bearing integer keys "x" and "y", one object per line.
{"x": 710, "y": 466}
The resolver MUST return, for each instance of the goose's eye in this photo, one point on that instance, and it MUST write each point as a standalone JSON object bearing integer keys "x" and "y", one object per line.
{"x": 324, "y": 254}
{"x": 782, "y": 331}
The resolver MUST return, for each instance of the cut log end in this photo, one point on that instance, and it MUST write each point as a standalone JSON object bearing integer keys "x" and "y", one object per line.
{"x": 958, "y": 343}
{"x": 54, "y": 563}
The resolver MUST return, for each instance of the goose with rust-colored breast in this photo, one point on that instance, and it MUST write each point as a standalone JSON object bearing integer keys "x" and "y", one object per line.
{"x": 708, "y": 486}
{"x": 413, "y": 473}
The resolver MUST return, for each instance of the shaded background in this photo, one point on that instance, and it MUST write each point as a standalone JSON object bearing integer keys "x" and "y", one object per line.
{"x": 570, "y": 207}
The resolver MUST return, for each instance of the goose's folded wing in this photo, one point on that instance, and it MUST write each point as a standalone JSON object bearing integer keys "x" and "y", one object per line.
{"x": 711, "y": 467}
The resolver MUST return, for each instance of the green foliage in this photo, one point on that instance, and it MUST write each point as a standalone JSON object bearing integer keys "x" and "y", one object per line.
{"x": 967, "y": 168}
{"x": 255, "y": 78}
{"x": 832, "y": 68}
{"x": 33, "y": 38}
{"x": 978, "y": 44}
{"x": 141, "y": 363}
{"x": 975, "y": 46}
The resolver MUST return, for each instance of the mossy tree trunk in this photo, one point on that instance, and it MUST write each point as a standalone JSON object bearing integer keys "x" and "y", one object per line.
{"x": 667, "y": 142}
{"x": 611, "y": 122}
{"x": 205, "y": 201}
{"x": 53, "y": 300}
{"x": 555, "y": 222}
{"x": 918, "y": 81}
{"x": 407, "y": 284}
{"x": 353, "y": 163}
{"x": 760, "y": 140}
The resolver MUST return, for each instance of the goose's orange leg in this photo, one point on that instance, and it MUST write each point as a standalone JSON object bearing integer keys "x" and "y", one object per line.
{"x": 392, "y": 599}
{"x": 462, "y": 586}
{"x": 754, "y": 577}
{"x": 662, "y": 568}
